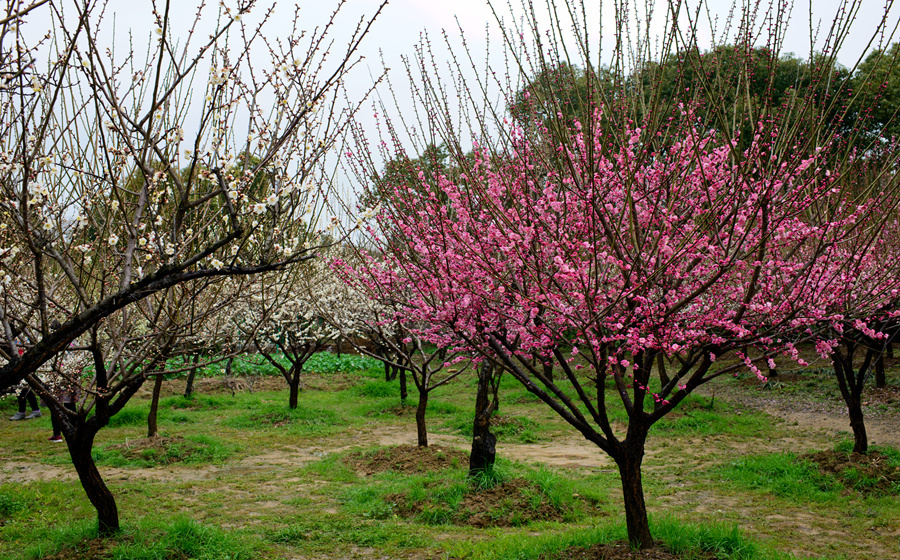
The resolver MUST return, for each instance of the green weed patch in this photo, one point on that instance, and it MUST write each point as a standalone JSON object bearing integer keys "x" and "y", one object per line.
{"x": 784, "y": 475}
{"x": 305, "y": 421}
{"x": 150, "y": 452}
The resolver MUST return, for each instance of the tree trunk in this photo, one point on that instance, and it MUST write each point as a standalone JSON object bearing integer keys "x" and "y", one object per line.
{"x": 661, "y": 369}
{"x": 484, "y": 443}
{"x": 189, "y": 386}
{"x": 403, "y": 391}
{"x": 548, "y": 370}
{"x": 858, "y": 425}
{"x": 880, "y": 380}
{"x": 152, "y": 428}
{"x": 636, "y": 521}
{"x": 294, "y": 384}
{"x": 851, "y": 386}
{"x": 101, "y": 498}
{"x": 421, "y": 432}
{"x": 890, "y": 350}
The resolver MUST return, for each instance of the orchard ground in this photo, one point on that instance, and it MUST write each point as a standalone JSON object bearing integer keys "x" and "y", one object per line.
{"x": 235, "y": 474}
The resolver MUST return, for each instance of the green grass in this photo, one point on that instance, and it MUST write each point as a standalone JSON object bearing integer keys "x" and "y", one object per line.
{"x": 331, "y": 468}
{"x": 378, "y": 389}
{"x": 185, "y": 538}
{"x": 893, "y": 455}
{"x": 436, "y": 498}
{"x": 689, "y": 540}
{"x": 133, "y": 415}
{"x": 269, "y": 498}
{"x": 51, "y": 540}
{"x": 151, "y": 540}
{"x": 303, "y": 420}
{"x": 700, "y": 539}
{"x": 801, "y": 481}
{"x": 697, "y": 415}
{"x": 12, "y": 501}
{"x": 507, "y": 427}
{"x": 196, "y": 402}
{"x": 326, "y": 362}
{"x": 783, "y": 475}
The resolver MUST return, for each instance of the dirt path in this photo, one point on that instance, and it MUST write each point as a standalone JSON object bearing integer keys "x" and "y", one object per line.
{"x": 807, "y": 430}
{"x": 828, "y": 418}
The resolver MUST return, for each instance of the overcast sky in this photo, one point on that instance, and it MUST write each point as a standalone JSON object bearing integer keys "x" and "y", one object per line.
{"x": 402, "y": 22}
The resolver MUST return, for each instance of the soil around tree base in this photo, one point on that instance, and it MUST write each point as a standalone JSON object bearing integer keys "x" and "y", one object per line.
{"x": 620, "y": 550}
{"x": 508, "y": 504}
{"x": 85, "y": 549}
{"x": 872, "y": 472}
{"x": 160, "y": 450}
{"x": 407, "y": 459}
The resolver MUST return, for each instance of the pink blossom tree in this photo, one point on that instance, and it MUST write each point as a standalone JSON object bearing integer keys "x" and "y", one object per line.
{"x": 610, "y": 261}
{"x": 865, "y": 318}
{"x": 599, "y": 247}
{"x": 379, "y": 315}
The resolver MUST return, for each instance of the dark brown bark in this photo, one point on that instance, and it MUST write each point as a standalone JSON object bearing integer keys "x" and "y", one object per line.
{"x": 80, "y": 443}
{"x": 404, "y": 392}
{"x": 294, "y": 384}
{"x": 858, "y": 425}
{"x": 152, "y": 428}
{"x": 421, "y": 431}
{"x": 189, "y": 386}
{"x": 636, "y": 521}
{"x": 548, "y": 370}
{"x": 850, "y": 382}
{"x": 661, "y": 369}
{"x": 484, "y": 443}
{"x": 880, "y": 380}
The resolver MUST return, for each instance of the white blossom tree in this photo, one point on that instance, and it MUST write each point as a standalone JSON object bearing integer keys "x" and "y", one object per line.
{"x": 279, "y": 317}
{"x": 124, "y": 175}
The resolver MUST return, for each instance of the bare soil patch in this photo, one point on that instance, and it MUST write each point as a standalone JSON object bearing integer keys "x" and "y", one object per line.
{"x": 507, "y": 505}
{"x": 889, "y": 394}
{"x": 407, "y": 459}
{"x": 872, "y": 472}
{"x": 828, "y": 416}
{"x": 511, "y": 503}
{"x": 397, "y": 410}
{"x": 618, "y": 551}
{"x": 85, "y": 549}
